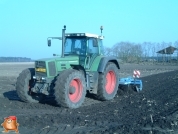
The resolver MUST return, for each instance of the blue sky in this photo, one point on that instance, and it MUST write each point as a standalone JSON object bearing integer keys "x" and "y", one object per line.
{"x": 26, "y": 24}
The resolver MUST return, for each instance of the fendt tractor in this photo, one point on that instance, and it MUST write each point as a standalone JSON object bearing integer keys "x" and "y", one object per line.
{"x": 81, "y": 68}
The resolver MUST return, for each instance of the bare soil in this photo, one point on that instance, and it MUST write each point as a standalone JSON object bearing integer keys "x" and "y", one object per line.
{"x": 153, "y": 110}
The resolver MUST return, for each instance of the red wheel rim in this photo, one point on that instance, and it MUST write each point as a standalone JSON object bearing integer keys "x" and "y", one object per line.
{"x": 110, "y": 82}
{"x": 77, "y": 85}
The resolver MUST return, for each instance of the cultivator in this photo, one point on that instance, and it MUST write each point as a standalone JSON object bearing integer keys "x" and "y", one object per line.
{"x": 134, "y": 82}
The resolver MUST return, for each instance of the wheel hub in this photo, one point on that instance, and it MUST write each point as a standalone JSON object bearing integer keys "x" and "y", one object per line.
{"x": 110, "y": 82}
{"x": 75, "y": 90}
{"x": 72, "y": 90}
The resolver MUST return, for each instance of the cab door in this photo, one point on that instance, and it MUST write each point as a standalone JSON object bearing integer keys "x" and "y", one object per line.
{"x": 92, "y": 52}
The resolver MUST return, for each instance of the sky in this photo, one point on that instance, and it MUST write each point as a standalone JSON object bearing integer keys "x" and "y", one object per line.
{"x": 26, "y": 24}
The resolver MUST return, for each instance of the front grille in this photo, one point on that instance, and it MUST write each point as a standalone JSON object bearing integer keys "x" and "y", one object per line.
{"x": 40, "y": 64}
{"x": 52, "y": 68}
{"x": 41, "y": 74}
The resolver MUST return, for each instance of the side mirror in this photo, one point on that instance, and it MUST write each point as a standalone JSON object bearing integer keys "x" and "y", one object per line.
{"x": 49, "y": 43}
{"x": 95, "y": 43}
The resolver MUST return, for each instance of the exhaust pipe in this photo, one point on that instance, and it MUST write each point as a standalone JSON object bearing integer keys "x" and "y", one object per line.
{"x": 63, "y": 40}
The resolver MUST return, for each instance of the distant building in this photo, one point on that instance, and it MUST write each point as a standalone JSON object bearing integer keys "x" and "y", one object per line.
{"x": 169, "y": 54}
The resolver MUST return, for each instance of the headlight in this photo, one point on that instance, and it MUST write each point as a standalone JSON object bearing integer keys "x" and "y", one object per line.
{"x": 41, "y": 69}
{"x": 43, "y": 78}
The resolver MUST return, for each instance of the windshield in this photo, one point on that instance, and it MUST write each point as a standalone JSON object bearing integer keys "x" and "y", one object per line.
{"x": 75, "y": 45}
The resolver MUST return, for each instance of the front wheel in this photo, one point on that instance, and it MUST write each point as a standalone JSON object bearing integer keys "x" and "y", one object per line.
{"x": 24, "y": 84}
{"x": 70, "y": 88}
{"x": 108, "y": 82}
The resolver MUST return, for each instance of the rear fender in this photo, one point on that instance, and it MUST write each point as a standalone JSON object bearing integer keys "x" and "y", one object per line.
{"x": 105, "y": 60}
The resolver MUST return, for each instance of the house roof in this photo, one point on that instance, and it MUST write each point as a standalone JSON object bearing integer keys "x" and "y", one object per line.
{"x": 168, "y": 50}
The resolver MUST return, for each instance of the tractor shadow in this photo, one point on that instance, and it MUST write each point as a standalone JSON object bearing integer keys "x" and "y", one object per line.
{"x": 91, "y": 96}
{"x": 11, "y": 95}
{"x": 49, "y": 100}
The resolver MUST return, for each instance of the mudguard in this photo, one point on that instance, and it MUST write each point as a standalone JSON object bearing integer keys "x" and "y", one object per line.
{"x": 105, "y": 60}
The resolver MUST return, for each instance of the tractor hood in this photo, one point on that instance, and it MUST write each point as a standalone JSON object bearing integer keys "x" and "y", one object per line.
{"x": 66, "y": 59}
{"x": 50, "y": 67}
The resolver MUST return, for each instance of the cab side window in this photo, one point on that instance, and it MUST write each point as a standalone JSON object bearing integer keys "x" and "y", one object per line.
{"x": 100, "y": 43}
{"x": 92, "y": 46}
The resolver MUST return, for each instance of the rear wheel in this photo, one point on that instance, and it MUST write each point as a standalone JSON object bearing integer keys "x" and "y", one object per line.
{"x": 70, "y": 88}
{"x": 108, "y": 82}
{"x": 24, "y": 84}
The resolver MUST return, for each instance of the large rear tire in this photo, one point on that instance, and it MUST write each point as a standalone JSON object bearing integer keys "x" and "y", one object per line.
{"x": 108, "y": 82}
{"x": 70, "y": 88}
{"x": 24, "y": 84}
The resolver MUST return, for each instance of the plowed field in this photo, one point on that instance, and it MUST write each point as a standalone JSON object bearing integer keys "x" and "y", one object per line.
{"x": 153, "y": 110}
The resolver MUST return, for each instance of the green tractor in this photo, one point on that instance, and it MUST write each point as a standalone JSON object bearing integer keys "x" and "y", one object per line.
{"x": 81, "y": 68}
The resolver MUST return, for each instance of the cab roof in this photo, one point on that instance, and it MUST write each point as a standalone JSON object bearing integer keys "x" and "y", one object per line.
{"x": 84, "y": 34}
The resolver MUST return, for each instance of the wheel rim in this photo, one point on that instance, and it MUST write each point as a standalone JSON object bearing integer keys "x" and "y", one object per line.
{"x": 77, "y": 94}
{"x": 110, "y": 82}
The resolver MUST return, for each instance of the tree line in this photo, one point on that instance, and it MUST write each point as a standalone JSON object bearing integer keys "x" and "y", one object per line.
{"x": 15, "y": 59}
{"x": 137, "y": 52}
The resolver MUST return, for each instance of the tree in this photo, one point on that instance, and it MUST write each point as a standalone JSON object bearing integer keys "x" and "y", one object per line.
{"x": 127, "y": 52}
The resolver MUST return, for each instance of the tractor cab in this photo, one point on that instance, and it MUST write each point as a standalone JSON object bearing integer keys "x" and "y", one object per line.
{"x": 83, "y": 44}
{"x": 86, "y": 46}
